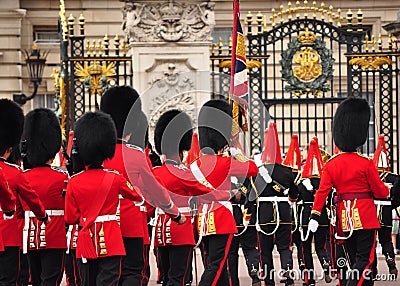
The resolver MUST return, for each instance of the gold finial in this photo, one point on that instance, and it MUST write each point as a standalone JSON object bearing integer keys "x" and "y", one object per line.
{"x": 81, "y": 20}
{"x": 297, "y": 9}
{"x": 124, "y": 47}
{"x": 349, "y": 21}
{"x": 305, "y": 9}
{"x": 366, "y": 43}
{"x": 116, "y": 44}
{"x": 220, "y": 45}
{"x": 272, "y": 17}
{"x": 63, "y": 20}
{"x": 322, "y": 9}
{"x": 259, "y": 22}
{"x": 315, "y": 9}
{"x": 390, "y": 42}
{"x": 380, "y": 42}
{"x": 212, "y": 46}
{"x": 106, "y": 45}
{"x": 100, "y": 47}
{"x": 373, "y": 43}
{"x": 359, "y": 20}
{"x": 265, "y": 23}
{"x": 330, "y": 13}
{"x": 71, "y": 23}
{"x": 94, "y": 47}
{"x": 339, "y": 18}
{"x": 290, "y": 11}
{"x": 249, "y": 20}
{"x": 281, "y": 19}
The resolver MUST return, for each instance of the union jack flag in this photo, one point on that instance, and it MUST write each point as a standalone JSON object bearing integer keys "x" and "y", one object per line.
{"x": 239, "y": 88}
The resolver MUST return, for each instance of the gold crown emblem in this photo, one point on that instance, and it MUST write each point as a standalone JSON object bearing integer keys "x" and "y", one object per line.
{"x": 306, "y": 38}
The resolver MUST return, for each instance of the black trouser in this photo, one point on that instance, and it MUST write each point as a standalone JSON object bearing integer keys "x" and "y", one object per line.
{"x": 385, "y": 240}
{"x": 101, "y": 271}
{"x": 23, "y": 273}
{"x": 71, "y": 269}
{"x": 296, "y": 240}
{"x": 175, "y": 261}
{"x": 46, "y": 266}
{"x": 282, "y": 239}
{"x": 160, "y": 271}
{"x": 146, "y": 266}
{"x": 9, "y": 265}
{"x": 216, "y": 249}
{"x": 248, "y": 241}
{"x": 133, "y": 263}
{"x": 361, "y": 251}
{"x": 320, "y": 243}
{"x": 340, "y": 263}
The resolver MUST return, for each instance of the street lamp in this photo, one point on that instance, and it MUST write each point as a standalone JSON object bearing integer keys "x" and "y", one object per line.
{"x": 35, "y": 62}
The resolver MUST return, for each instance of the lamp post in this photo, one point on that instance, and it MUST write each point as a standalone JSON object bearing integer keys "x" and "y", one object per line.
{"x": 35, "y": 62}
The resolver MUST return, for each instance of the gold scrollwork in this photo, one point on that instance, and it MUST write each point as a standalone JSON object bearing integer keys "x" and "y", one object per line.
{"x": 307, "y": 65}
{"x": 370, "y": 62}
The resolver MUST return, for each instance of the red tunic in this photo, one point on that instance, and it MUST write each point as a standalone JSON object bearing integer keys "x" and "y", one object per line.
{"x": 218, "y": 171}
{"x": 25, "y": 195}
{"x": 7, "y": 198}
{"x": 50, "y": 191}
{"x": 182, "y": 185}
{"x": 352, "y": 173}
{"x": 81, "y": 197}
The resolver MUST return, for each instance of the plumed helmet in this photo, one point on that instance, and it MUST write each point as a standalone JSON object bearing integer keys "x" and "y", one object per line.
{"x": 11, "y": 124}
{"x": 118, "y": 102}
{"x": 173, "y": 133}
{"x": 95, "y": 138}
{"x": 215, "y": 125}
{"x": 41, "y": 136}
{"x": 350, "y": 124}
{"x": 271, "y": 152}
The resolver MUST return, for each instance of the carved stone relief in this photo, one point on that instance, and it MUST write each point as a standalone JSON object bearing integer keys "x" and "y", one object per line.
{"x": 168, "y": 21}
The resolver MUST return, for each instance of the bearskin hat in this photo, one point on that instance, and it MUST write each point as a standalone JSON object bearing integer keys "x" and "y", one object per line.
{"x": 95, "y": 138}
{"x": 119, "y": 102}
{"x": 350, "y": 124}
{"x": 42, "y": 137}
{"x": 173, "y": 133}
{"x": 215, "y": 125}
{"x": 11, "y": 124}
{"x": 139, "y": 129}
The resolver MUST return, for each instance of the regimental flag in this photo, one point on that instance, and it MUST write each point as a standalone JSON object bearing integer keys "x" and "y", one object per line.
{"x": 239, "y": 88}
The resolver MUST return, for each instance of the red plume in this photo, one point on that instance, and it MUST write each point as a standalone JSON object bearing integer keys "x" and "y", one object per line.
{"x": 272, "y": 150}
{"x": 293, "y": 155}
{"x": 314, "y": 164}
{"x": 194, "y": 151}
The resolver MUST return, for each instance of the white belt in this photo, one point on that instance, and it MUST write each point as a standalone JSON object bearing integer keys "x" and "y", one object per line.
{"x": 49, "y": 213}
{"x": 273, "y": 199}
{"x": 181, "y": 210}
{"x": 304, "y": 203}
{"x": 105, "y": 218}
{"x": 382, "y": 203}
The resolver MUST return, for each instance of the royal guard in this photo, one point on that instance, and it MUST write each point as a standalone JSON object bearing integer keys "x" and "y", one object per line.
{"x": 309, "y": 183}
{"x": 7, "y": 201}
{"x": 11, "y": 127}
{"x": 123, "y": 104}
{"x": 384, "y": 208}
{"x": 357, "y": 183}
{"x": 92, "y": 200}
{"x": 46, "y": 244}
{"x": 274, "y": 215}
{"x": 293, "y": 160}
{"x": 214, "y": 168}
{"x": 172, "y": 137}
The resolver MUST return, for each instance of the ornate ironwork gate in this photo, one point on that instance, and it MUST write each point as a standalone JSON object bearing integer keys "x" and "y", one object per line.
{"x": 88, "y": 68}
{"x": 311, "y": 59}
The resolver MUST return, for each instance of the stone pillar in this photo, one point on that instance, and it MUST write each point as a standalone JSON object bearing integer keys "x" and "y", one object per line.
{"x": 394, "y": 27}
{"x": 170, "y": 46}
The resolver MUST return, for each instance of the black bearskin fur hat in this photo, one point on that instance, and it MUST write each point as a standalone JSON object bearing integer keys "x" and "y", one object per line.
{"x": 350, "y": 124}
{"x": 11, "y": 124}
{"x": 173, "y": 133}
{"x": 118, "y": 102}
{"x": 215, "y": 125}
{"x": 41, "y": 136}
{"x": 95, "y": 138}
{"x": 139, "y": 129}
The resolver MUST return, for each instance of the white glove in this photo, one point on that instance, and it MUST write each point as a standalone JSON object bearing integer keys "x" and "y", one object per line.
{"x": 234, "y": 151}
{"x": 6, "y": 217}
{"x": 264, "y": 174}
{"x": 246, "y": 222}
{"x": 313, "y": 225}
{"x": 307, "y": 183}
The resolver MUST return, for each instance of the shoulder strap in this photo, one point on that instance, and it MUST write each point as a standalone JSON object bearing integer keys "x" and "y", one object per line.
{"x": 199, "y": 175}
{"x": 104, "y": 190}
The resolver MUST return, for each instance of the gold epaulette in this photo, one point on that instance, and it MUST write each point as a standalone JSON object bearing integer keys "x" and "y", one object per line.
{"x": 334, "y": 156}
{"x": 112, "y": 171}
{"x": 298, "y": 178}
{"x": 363, "y": 156}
